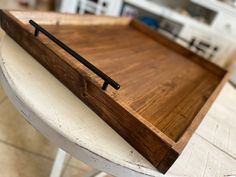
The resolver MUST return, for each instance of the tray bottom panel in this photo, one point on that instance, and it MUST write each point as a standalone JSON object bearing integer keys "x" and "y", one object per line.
{"x": 164, "y": 87}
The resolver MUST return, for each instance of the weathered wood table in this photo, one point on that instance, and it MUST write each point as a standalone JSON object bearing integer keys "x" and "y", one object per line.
{"x": 60, "y": 116}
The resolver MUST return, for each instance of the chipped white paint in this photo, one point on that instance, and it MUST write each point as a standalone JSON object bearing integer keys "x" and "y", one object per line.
{"x": 219, "y": 126}
{"x": 52, "y": 109}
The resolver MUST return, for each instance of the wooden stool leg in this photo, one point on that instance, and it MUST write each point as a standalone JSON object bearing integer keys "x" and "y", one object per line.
{"x": 58, "y": 164}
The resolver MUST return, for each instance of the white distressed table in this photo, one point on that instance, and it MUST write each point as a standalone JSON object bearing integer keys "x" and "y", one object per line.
{"x": 66, "y": 121}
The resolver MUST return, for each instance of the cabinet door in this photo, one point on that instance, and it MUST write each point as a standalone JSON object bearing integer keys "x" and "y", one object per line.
{"x": 225, "y": 24}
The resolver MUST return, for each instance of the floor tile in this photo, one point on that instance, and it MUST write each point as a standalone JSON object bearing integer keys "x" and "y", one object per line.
{"x": 16, "y": 131}
{"x": 76, "y": 163}
{"x": 2, "y": 94}
{"x": 79, "y": 169}
{"x": 18, "y": 163}
{"x": 74, "y": 172}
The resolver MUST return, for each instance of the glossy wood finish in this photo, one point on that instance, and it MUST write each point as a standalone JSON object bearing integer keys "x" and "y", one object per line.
{"x": 165, "y": 89}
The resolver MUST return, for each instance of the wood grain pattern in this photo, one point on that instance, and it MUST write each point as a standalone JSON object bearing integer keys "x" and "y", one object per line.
{"x": 165, "y": 89}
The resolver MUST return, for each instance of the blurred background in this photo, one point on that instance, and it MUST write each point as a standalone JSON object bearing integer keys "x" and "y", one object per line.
{"x": 207, "y": 27}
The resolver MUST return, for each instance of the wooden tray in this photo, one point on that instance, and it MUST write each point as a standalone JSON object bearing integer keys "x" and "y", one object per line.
{"x": 165, "y": 90}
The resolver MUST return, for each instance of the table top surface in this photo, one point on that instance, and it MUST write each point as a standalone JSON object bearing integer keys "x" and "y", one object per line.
{"x": 65, "y": 120}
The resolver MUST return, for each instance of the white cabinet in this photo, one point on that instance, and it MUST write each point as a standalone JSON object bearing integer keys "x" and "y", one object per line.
{"x": 226, "y": 24}
{"x": 225, "y": 45}
{"x": 100, "y": 7}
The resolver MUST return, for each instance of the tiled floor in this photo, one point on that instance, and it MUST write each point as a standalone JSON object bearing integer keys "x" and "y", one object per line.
{"x": 24, "y": 152}
{"x": 11, "y": 4}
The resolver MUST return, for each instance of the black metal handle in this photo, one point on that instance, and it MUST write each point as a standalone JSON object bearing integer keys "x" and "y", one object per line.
{"x": 107, "y": 79}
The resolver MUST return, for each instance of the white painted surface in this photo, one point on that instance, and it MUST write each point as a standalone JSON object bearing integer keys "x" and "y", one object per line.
{"x": 225, "y": 24}
{"x": 68, "y": 6}
{"x": 218, "y": 6}
{"x": 112, "y": 8}
{"x": 52, "y": 109}
{"x": 219, "y": 127}
{"x": 233, "y": 77}
{"x": 58, "y": 164}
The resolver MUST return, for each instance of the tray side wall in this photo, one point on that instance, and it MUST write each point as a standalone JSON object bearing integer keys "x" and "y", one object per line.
{"x": 216, "y": 70}
{"x": 179, "y": 146}
{"x": 179, "y": 49}
{"x": 53, "y": 18}
{"x": 151, "y": 146}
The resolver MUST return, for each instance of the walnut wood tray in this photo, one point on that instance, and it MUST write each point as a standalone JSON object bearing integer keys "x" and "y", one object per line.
{"x": 155, "y": 92}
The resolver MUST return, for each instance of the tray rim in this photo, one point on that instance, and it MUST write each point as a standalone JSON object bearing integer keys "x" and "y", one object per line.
{"x": 210, "y": 66}
{"x": 134, "y": 23}
{"x": 176, "y": 146}
{"x": 127, "y": 21}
